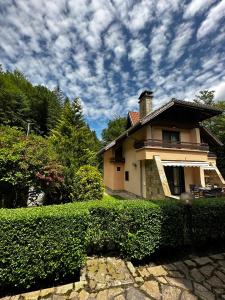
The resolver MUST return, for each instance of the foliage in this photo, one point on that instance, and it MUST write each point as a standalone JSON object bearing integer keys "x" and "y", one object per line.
{"x": 136, "y": 228}
{"x": 40, "y": 245}
{"x": 216, "y": 125}
{"x": 208, "y": 220}
{"x": 21, "y": 102}
{"x": 114, "y": 128}
{"x": 48, "y": 243}
{"x": 205, "y": 97}
{"x": 88, "y": 184}
{"x": 24, "y": 159}
{"x": 74, "y": 142}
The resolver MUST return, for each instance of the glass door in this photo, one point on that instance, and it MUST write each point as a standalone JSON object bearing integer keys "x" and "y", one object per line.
{"x": 175, "y": 178}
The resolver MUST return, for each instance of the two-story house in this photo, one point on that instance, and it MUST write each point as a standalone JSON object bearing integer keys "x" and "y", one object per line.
{"x": 163, "y": 152}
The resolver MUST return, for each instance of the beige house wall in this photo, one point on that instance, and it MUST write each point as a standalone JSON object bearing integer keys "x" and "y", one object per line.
{"x": 186, "y": 135}
{"x": 133, "y": 165}
{"x": 172, "y": 154}
{"x": 188, "y": 178}
{"x": 118, "y": 176}
{"x": 113, "y": 178}
{"x": 193, "y": 175}
{"x": 108, "y": 170}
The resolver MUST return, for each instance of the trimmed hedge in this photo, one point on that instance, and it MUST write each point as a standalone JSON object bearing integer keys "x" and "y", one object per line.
{"x": 48, "y": 243}
{"x": 208, "y": 220}
{"x": 136, "y": 228}
{"x": 40, "y": 244}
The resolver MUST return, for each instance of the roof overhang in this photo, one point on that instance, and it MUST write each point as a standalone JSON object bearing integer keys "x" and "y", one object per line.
{"x": 179, "y": 111}
{"x": 211, "y": 138}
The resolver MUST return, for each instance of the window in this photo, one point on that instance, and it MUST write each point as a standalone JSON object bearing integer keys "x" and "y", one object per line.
{"x": 171, "y": 136}
{"x": 126, "y": 175}
{"x": 118, "y": 169}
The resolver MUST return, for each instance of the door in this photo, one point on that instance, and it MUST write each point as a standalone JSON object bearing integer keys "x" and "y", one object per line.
{"x": 175, "y": 178}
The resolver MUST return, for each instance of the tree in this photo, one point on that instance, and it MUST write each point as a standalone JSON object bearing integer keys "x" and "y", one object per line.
{"x": 216, "y": 125}
{"x": 21, "y": 102}
{"x": 74, "y": 142}
{"x": 205, "y": 97}
{"x": 24, "y": 162}
{"x": 114, "y": 128}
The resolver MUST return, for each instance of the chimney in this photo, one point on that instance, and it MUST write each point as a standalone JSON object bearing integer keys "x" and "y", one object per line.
{"x": 145, "y": 103}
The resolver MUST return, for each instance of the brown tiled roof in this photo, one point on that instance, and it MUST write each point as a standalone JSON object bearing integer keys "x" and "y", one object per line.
{"x": 134, "y": 116}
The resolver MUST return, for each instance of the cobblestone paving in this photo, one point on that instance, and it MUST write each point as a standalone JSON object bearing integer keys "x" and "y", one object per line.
{"x": 112, "y": 278}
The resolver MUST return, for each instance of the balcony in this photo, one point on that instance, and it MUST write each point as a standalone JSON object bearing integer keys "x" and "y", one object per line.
{"x": 117, "y": 160}
{"x": 166, "y": 144}
{"x": 212, "y": 155}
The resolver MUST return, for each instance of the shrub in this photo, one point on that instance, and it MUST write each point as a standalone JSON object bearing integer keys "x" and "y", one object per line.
{"x": 208, "y": 220}
{"x": 88, "y": 184}
{"x": 136, "y": 228}
{"x": 41, "y": 244}
{"x": 48, "y": 243}
{"x": 20, "y": 168}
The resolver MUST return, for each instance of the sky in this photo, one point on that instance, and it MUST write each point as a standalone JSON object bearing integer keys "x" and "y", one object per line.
{"x": 107, "y": 52}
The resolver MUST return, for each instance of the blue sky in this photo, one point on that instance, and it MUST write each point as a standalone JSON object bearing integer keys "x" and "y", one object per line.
{"x": 107, "y": 52}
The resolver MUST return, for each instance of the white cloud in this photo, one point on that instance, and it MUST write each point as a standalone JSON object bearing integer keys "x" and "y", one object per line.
{"x": 220, "y": 90}
{"x": 137, "y": 52}
{"x": 62, "y": 42}
{"x": 140, "y": 14}
{"x": 211, "y": 22}
{"x": 159, "y": 41}
{"x": 115, "y": 41}
{"x": 197, "y": 7}
{"x": 181, "y": 39}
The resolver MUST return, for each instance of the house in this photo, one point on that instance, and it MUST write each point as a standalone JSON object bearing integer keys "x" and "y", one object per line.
{"x": 163, "y": 152}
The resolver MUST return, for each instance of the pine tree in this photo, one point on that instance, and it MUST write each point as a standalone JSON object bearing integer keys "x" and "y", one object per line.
{"x": 73, "y": 141}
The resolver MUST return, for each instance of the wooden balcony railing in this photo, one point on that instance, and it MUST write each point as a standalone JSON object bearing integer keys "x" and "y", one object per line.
{"x": 166, "y": 144}
{"x": 117, "y": 160}
{"x": 212, "y": 155}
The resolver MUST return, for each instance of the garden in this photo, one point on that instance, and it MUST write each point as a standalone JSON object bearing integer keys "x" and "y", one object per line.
{"x": 48, "y": 151}
{"x": 50, "y": 244}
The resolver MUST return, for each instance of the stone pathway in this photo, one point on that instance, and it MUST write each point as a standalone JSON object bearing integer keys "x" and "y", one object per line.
{"x": 112, "y": 278}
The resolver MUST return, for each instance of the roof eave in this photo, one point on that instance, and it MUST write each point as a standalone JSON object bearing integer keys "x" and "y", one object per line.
{"x": 217, "y": 141}
{"x": 122, "y": 136}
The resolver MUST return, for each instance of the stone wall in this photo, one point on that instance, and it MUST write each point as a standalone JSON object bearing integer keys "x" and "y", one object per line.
{"x": 154, "y": 189}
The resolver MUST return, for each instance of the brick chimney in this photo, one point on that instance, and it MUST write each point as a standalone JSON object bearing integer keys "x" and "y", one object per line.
{"x": 145, "y": 103}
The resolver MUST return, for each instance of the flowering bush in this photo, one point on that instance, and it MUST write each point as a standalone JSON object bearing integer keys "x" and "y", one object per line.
{"x": 24, "y": 162}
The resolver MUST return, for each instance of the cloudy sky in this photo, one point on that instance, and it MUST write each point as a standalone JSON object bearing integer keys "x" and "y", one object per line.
{"x": 107, "y": 52}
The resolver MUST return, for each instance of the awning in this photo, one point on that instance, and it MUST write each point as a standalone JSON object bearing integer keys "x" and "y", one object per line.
{"x": 182, "y": 163}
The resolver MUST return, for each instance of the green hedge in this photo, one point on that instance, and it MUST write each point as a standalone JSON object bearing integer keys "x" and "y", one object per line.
{"x": 136, "y": 228}
{"x": 208, "y": 220}
{"x": 48, "y": 243}
{"x": 40, "y": 244}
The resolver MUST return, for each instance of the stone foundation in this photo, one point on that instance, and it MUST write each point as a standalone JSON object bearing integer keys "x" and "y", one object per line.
{"x": 154, "y": 189}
